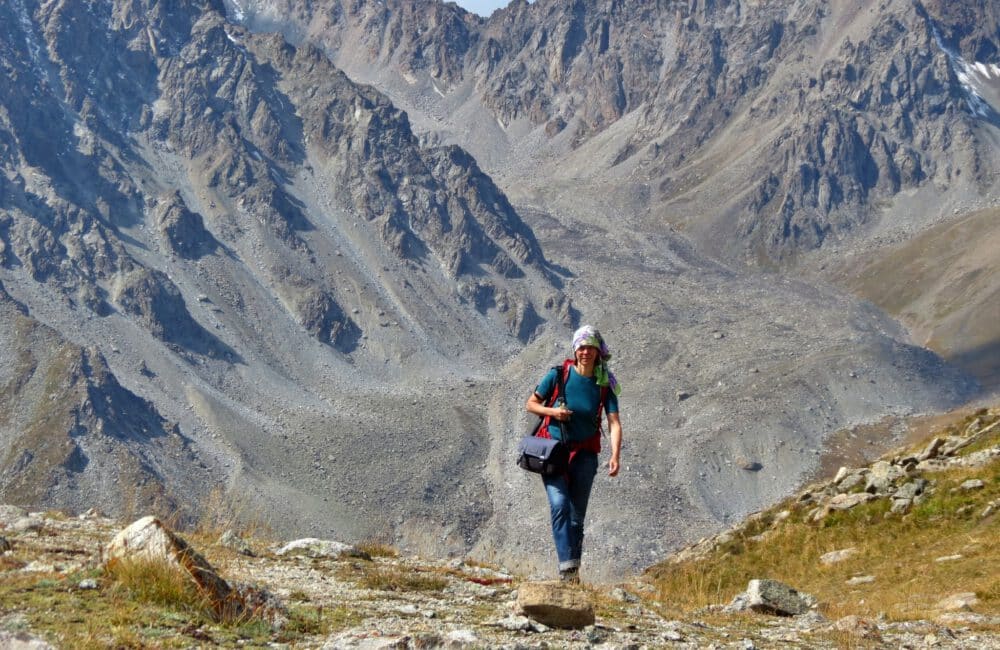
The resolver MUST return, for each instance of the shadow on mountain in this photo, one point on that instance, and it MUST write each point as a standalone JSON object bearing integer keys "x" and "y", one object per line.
{"x": 982, "y": 362}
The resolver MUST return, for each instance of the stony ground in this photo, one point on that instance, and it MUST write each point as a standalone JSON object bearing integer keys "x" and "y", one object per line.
{"x": 392, "y": 602}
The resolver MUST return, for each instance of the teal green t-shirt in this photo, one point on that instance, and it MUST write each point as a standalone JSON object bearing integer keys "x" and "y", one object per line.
{"x": 583, "y": 396}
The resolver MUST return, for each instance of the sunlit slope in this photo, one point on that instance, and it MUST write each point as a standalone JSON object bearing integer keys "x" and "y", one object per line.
{"x": 945, "y": 285}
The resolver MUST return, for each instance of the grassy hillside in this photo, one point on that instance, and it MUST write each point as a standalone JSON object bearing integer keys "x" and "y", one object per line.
{"x": 897, "y": 566}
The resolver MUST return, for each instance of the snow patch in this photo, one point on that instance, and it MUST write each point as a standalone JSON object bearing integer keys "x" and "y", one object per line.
{"x": 979, "y": 80}
{"x": 236, "y": 11}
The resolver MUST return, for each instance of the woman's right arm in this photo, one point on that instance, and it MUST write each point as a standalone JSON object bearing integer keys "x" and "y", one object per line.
{"x": 537, "y": 406}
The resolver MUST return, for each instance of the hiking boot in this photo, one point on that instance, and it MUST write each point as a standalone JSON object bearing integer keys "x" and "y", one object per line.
{"x": 571, "y": 576}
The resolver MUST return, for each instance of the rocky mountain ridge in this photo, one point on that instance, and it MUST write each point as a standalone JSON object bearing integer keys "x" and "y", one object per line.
{"x": 307, "y": 298}
{"x": 849, "y": 105}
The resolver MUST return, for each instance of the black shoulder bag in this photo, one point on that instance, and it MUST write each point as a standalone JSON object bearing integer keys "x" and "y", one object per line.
{"x": 545, "y": 456}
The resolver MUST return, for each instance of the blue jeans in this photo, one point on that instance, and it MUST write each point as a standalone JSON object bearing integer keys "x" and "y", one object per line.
{"x": 568, "y": 507}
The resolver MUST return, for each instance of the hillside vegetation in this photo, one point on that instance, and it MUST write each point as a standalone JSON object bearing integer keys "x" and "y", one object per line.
{"x": 877, "y": 559}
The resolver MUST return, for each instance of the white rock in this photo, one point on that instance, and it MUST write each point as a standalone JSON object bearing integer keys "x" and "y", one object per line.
{"x": 312, "y": 547}
{"x": 837, "y": 556}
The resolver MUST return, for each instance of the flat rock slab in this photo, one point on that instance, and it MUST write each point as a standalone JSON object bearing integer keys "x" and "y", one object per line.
{"x": 555, "y": 604}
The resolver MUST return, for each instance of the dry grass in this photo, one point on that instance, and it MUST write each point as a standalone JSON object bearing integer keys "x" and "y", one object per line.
{"x": 391, "y": 578}
{"x": 223, "y": 510}
{"x": 378, "y": 549}
{"x": 901, "y": 551}
{"x": 157, "y": 583}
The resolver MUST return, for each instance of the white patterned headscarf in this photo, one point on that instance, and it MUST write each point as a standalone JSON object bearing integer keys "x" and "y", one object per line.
{"x": 588, "y": 335}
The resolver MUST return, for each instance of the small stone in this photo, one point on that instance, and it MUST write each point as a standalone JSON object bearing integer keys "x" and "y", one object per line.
{"x": 963, "y": 601}
{"x": 621, "y": 595}
{"x": 682, "y": 395}
{"x": 861, "y": 580}
{"x": 22, "y": 641}
{"x": 234, "y": 542}
{"x": 972, "y": 484}
{"x": 949, "y": 558}
{"x": 858, "y": 627}
{"x": 837, "y": 556}
{"x": 87, "y": 583}
{"x": 673, "y": 635}
{"x": 29, "y": 524}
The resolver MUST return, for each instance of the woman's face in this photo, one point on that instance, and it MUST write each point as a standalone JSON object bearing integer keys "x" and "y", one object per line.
{"x": 586, "y": 354}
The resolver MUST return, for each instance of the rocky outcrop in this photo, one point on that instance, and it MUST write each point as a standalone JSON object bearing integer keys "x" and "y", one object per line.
{"x": 849, "y": 109}
{"x": 70, "y": 434}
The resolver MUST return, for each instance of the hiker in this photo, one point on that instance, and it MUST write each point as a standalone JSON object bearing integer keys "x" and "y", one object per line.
{"x": 590, "y": 388}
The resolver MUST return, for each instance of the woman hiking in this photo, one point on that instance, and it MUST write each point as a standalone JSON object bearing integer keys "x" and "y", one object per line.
{"x": 574, "y": 418}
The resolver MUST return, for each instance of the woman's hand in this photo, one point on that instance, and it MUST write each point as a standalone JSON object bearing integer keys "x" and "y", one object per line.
{"x": 562, "y": 414}
{"x": 613, "y": 466}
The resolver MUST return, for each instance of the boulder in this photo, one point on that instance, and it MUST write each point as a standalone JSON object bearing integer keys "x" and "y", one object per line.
{"x": 842, "y": 502}
{"x": 313, "y": 547}
{"x": 932, "y": 449}
{"x": 972, "y": 484}
{"x": 29, "y": 524}
{"x": 772, "y": 597}
{"x": 555, "y": 604}
{"x": 882, "y": 476}
{"x": 149, "y": 540}
{"x": 911, "y": 490}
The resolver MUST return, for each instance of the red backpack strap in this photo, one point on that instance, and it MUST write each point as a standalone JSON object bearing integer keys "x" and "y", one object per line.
{"x": 562, "y": 374}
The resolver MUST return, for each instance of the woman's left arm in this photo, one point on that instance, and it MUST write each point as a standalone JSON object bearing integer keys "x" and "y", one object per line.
{"x": 615, "y": 425}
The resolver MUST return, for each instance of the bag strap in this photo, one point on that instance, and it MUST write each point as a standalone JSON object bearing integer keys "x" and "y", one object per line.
{"x": 600, "y": 409}
{"x": 560, "y": 389}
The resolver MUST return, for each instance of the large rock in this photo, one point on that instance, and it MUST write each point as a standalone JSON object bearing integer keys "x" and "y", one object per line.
{"x": 771, "y": 597}
{"x": 313, "y": 547}
{"x": 555, "y": 604}
{"x": 882, "y": 476}
{"x": 149, "y": 540}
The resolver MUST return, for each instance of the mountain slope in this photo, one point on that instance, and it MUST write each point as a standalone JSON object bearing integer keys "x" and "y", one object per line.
{"x": 766, "y": 129}
{"x": 341, "y": 313}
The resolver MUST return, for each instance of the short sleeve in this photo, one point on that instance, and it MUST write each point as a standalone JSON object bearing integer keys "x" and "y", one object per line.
{"x": 611, "y": 402}
{"x": 547, "y": 385}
